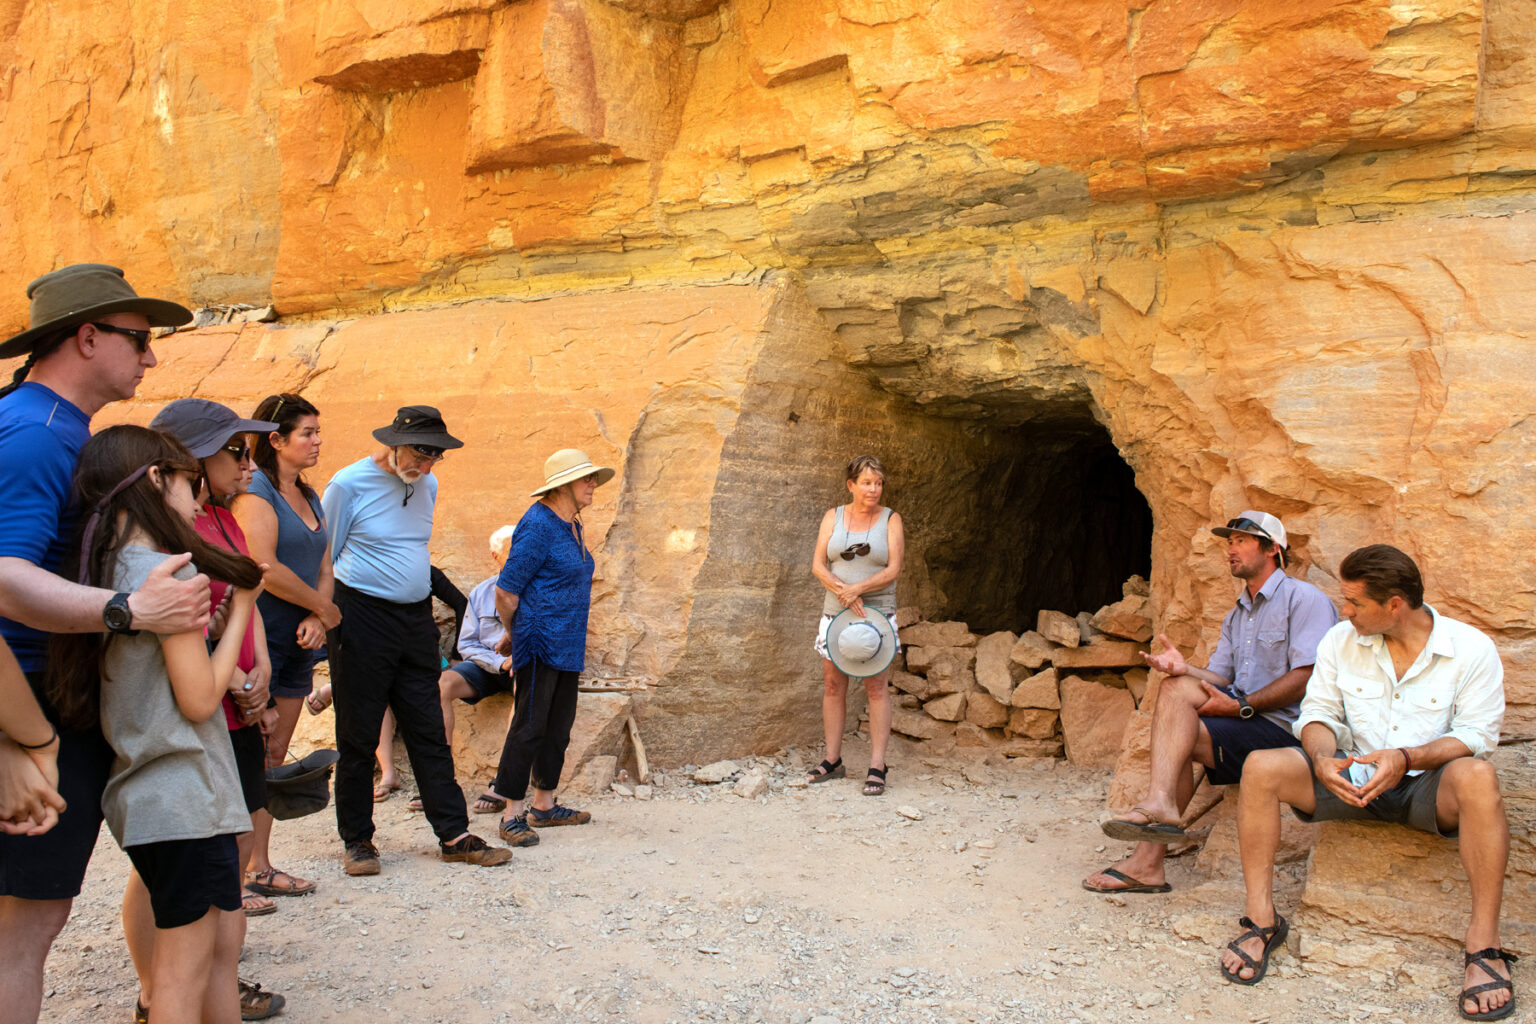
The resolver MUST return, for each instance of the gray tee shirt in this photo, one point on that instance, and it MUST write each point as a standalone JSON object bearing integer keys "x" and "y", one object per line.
{"x": 172, "y": 778}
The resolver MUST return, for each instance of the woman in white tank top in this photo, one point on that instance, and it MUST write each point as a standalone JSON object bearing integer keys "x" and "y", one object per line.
{"x": 858, "y": 556}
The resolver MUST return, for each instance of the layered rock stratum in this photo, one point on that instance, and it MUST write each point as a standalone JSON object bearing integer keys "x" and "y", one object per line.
{"x": 1089, "y": 276}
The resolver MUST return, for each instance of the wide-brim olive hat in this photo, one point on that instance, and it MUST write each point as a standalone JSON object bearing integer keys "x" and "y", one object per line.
{"x": 84, "y": 291}
{"x": 570, "y": 464}
{"x": 302, "y": 787}
{"x": 861, "y": 647}
{"x": 418, "y": 424}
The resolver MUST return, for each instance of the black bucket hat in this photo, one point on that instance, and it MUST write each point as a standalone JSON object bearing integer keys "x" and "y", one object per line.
{"x": 82, "y": 292}
{"x": 418, "y": 424}
{"x": 302, "y": 787}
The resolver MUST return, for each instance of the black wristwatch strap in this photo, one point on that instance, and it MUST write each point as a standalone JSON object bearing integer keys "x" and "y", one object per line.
{"x": 118, "y": 617}
{"x": 1244, "y": 709}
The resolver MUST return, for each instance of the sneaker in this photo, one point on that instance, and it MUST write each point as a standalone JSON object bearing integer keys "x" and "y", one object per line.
{"x": 360, "y": 858}
{"x": 256, "y": 1004}
{"x": 473, "y": 850}
{"x": 515, "y": 832}
{"x": 557, "y": 815}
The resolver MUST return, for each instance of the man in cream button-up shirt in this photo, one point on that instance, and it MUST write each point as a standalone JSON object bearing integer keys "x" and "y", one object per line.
{"x": 1401, "y": 713}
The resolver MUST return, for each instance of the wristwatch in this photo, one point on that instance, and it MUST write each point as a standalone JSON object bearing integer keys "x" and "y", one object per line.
{"x": 118, "y": 616}
{"x": 1244, "y": 709}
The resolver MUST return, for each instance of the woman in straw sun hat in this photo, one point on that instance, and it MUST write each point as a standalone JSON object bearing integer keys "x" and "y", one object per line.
{"x": 542, "y": 598}
{"x": 858, "y": 556}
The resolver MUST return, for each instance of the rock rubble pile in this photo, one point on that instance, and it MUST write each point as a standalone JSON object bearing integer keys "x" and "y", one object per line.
{"x": 1068, "y": 686}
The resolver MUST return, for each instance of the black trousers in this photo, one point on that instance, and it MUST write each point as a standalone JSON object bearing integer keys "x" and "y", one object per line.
{"x": 543, "y": 710}
{"x": 384, "y": 656}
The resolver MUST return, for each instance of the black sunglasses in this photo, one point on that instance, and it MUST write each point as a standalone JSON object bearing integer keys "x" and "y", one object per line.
{"x": 240, "y": 451}
{"x": 140, "y": 338}
{"x": 426, "y": 451}
{"x": 1248, "y": 526}
{"x": 855, "y": 551}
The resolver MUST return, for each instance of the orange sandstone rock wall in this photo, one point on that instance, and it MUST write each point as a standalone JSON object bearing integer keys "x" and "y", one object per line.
{"x": 1276, "y": 254}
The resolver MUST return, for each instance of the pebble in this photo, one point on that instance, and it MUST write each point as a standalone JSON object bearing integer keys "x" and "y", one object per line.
{"x": 718, "y": 772}
{"x": 909, "y": 812}
{"x": 752, "y": 915}
{"x": 621, "y": 789}
{"x": 643, "y": 792}
{"x": 457, "y": 933}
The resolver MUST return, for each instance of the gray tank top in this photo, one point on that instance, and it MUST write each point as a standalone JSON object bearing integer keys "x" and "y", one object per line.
{"x": 861, "y": 567}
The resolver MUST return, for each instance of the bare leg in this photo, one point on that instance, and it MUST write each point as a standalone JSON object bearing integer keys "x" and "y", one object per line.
{"x": 389, "y": 779}
{"x": 139, "y": 933}
{"x": 277, "y": 752}
{"x": 27, "y": 931}
{"x": 1179, "y": 741}
{"x": 1469, "y": 798}
{"x": 1270, "y": 778}
{"x": 186, "y": 976}
{"x": 877, "y": 688}
{"x": 221, "y": 1001}
{"x": 834, "y": 709}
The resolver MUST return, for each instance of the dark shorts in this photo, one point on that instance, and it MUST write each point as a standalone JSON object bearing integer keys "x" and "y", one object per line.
{"x": 251, "y": 762}
{"x": 482, "y": 682}
{"x": 293, "y": 669}
{"x": 1411, "y": 802}
{"x": 185, "y": 877}
{"x": 1233, "y": 739}
{"x": 52, "y": 866}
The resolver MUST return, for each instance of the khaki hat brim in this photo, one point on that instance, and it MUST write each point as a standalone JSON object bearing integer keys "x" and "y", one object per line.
{"x": 883, "y": 657}
{"x": 604, "y": 474}
{"x": 159, "y": 313}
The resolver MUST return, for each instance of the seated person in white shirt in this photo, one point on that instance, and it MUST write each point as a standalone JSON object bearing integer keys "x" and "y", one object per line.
{"x": 1401, "y": 713}
{"x": 483, "y": 671}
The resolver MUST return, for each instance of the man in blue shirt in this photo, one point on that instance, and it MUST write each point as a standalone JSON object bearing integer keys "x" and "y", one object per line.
{"x": 1244, "y": 700}
{"x": 384, "y": 654}
{"x": 88, "y": 345}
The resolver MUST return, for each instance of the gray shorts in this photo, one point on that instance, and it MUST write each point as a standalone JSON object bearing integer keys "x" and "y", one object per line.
{"x": 1411, "y": 802}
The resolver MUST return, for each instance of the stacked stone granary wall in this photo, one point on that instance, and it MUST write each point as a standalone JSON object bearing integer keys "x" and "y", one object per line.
{"x": 1088, "y": 276}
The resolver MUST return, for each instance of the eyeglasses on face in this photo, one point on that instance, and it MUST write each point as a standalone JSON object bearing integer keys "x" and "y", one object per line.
{"x": 427, "y": 452}
{"x": 139, "y": 337}
{"x": 855, "y": 551}
{"x": 241, "y": 451}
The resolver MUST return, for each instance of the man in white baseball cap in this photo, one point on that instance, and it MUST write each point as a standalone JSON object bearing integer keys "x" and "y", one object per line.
{"x": 1244, "y": 700}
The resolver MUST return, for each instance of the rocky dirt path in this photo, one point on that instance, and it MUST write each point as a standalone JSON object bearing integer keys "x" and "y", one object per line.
{"x": 808, "y": 905}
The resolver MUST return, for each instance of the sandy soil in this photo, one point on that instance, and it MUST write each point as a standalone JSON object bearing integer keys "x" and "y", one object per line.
{"x": 808, "y": 905}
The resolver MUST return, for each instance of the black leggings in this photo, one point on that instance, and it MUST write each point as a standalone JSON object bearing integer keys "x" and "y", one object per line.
{"x": 543, "y": 710}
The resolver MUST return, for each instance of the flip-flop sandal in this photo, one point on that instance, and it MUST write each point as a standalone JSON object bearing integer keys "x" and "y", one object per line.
{"x": 1150, "y": 831}
{"x": 316, "y": 703}
{"x": 414, "y": 804}
{"x": 256, "y": 909}
{"x": 490, "y": 803}
{"x": 1471, "y": 992}
{"x": 1131, "y": 884}
{"x": 826, "y": 770}
{"x": 1272, "y": 936}
{"x": 265, "y": 883}
{"x": 875, "y": 784}
{"x": 382, "y": 792}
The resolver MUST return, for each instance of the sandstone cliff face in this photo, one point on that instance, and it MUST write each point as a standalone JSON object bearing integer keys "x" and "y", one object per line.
{"x": 1232, "y": 254}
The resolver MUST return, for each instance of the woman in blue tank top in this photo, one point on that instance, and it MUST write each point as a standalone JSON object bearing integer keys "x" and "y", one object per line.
{"x": 858, "y": 557}
{"x": 281, "y": 518}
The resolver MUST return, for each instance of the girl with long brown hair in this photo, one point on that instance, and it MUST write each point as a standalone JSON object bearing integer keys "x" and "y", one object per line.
{"x": 173, "y": 801}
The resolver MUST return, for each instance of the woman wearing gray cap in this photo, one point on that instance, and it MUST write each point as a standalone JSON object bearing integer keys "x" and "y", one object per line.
{"x": 858, "y": 556}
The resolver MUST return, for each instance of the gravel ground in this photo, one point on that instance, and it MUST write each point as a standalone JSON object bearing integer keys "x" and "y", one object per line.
{"x": 953, "y": 898}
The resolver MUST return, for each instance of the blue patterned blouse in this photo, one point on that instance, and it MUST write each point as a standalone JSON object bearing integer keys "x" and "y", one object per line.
{"x": 550, "y": 570}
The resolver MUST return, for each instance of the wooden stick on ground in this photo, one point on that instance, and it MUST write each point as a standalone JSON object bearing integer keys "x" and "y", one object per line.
{"x": 642, "y": 767}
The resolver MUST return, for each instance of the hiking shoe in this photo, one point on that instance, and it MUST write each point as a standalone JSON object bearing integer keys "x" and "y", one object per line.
{"x": 140, "y": 1012}
{"x": 557, "y": 815}
{"x": 515, "y": 832}
{"x": 360, "y": 858}
{"x": 473, "y": 850}
{"x": 256, "y": 1004}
